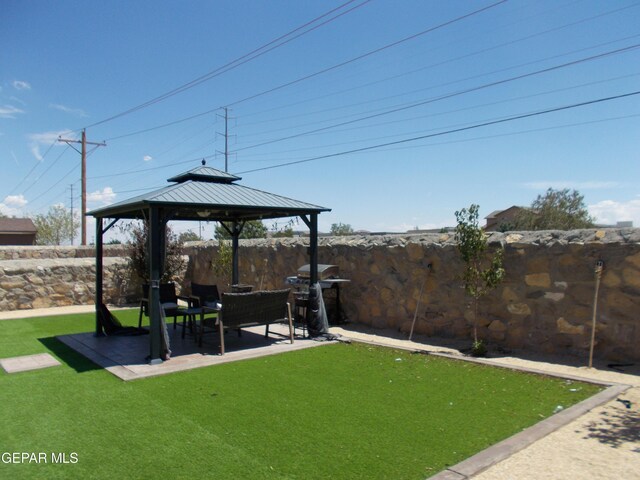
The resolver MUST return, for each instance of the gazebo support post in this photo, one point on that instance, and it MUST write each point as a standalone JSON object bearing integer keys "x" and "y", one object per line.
{"x": 236, "y": 230}
{"x": 235, "y": 244}
{"x": 312, "y": 223}
{"x": 99, "y": 280}
{"x": 155, "y": 254}
{"x": 313, "y": 249}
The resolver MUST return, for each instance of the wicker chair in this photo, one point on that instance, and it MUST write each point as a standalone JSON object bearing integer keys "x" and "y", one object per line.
{"x": 204, "y": 295}
{"x": 168, "y": 300}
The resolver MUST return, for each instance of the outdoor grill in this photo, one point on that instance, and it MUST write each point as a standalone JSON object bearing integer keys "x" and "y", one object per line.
{"x": 325, "y": 272}
{"x": 330, "y": 281}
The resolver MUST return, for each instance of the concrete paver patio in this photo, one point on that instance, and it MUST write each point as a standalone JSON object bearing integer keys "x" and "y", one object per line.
{"x": 125, "y": 356}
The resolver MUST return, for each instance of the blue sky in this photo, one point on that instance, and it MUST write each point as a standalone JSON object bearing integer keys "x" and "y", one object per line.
{"x": 394, "y": 114}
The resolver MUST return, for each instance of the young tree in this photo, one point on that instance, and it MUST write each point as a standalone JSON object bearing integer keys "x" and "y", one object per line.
{"x": 555, "y": 210}
{"x": 251, "y": 229}
{"x": 339, "y": 229}
{"x": 483, "y": 272}
{"x": 189, "y": 236}
{"x": 222, "y": 263}
{"x": 286, "y": 232}
{"x": 56, "y": 227}
{"x": 139, "y": 258}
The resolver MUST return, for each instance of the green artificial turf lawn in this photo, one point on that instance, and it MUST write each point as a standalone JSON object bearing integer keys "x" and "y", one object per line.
{"x": 336, "y": 411}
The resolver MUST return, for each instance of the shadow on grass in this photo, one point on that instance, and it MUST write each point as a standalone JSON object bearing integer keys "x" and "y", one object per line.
{"x": 616, "y": 428}
{"x": 73, "y": 359}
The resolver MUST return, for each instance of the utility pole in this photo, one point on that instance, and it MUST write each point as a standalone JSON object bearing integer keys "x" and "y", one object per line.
{"x": 83, "y": 153}
{"x": 72, "y": 229}
{"x": 226, "y": 138}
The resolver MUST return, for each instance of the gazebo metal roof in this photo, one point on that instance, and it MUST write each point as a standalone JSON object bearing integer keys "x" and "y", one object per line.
{"x": 205, "y": 193}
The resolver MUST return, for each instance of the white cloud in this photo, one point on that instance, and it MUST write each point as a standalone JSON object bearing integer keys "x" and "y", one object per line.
{"x": 37, "y": 140}
{"x": 21, "y": 85}
{"x": 562, "y": 184}
{"x": 104, "y": 196}
{"x": 9, "y": 111}
{"x": 12, "y": 205}
{"x": 78, "y": 112}
{"x": 15, "y": 201}
{"x": 610, "y": 212}
{"x": 35, "y": 151}
{"x": 48, "y": 137}
{"x": 147, "y": 158}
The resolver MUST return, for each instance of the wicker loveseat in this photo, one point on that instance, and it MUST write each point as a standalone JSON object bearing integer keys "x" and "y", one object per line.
{"x": 240, "y": 310}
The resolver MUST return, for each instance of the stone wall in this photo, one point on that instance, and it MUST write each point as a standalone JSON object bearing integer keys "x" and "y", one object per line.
{"x": 545, "y": 303}
{"x": 41, "y": 277}
{"x": 47, "y": 252}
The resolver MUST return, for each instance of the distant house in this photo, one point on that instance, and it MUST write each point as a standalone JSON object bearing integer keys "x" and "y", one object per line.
{"x": 17, "y": 231}
{"x": 496, "y": 220}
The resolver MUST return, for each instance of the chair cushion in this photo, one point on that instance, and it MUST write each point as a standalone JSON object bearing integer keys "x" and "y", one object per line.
{"x": 169, "y": 305}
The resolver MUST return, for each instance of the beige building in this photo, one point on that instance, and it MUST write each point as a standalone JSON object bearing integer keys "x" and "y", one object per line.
{"x": 501, "y": 217}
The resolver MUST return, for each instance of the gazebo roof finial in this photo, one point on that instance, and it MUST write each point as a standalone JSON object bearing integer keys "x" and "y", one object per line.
{"x": 205, "y": 174}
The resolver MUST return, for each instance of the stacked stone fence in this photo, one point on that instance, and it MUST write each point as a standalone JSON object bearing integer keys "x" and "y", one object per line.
{"x": 51, "y": 253}
{"x": 544, "y": 305}
{"x": 42, "y": 277}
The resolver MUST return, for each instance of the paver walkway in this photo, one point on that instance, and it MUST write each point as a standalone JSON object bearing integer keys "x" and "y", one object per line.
{"x": 24, "y": 363}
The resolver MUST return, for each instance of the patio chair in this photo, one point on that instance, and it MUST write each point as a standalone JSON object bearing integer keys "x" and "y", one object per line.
{"x": 202, "y": 296}
{"x": 168, "y": 299}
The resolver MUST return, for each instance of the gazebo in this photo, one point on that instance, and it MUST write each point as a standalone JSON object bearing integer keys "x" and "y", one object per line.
{"x": 203, "y": 193}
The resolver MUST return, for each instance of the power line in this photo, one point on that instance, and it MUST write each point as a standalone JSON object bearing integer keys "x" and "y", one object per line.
{"x": 157, "y": 127}
{"x": 360, "y": 141}
{"x": 38, "y": 162}
{"x": 383, "y": 113}
{"x": 467, "y": 55}
{"x": 472, "y": 107}
{"x": 145, "y": 170}
{"x": 49, "y": 168}
{"x": 273, "y": 44}
{"x": 522, "y": 132}
{"x": 212, "y": 110}
{"x": 368, "y": 54}
{"x": 73, "y": 169}
{"x": 447, "y": 132}
{"x": 379, "y": 99}
{"x": 446, "y": 96}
